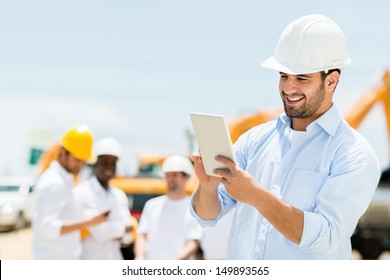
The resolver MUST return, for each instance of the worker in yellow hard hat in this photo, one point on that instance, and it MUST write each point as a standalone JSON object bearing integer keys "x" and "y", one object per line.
{"x": 56, "y": 220}
{"x": 300, "y": 183}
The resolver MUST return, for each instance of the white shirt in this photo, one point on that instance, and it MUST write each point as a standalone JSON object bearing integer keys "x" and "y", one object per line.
{"x": 168, "y": 225}
{"x": 105, "y": 239}
{"x": 53, "y": 205}
{"x": 215, "y": 238}
{"x": 296, "y": 137}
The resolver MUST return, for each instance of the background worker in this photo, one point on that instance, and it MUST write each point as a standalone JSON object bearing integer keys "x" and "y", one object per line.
{"x": 103, "y": 241}
{"x": 167, "y": 230}
{"x": 301, "y": 182}
{"x": 56, "y": 221}
{"x": 214, "y": 241}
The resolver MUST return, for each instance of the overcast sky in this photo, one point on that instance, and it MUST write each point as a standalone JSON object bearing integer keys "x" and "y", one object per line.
{"x": 135, "y": 69}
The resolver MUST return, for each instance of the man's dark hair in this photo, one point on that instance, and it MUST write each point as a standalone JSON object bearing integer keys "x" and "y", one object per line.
{"x": 324, "y": 75}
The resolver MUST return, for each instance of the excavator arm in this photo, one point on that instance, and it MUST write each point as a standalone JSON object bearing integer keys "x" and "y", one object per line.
{"x": 380, "y": 94}
{"x": 243, "y": 123}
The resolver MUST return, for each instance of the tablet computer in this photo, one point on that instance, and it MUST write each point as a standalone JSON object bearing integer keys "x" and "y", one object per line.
{"x": 212, "y": 135}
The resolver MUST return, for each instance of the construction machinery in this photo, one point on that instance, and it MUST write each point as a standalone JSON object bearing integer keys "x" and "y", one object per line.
{"x": 372, "y": 234}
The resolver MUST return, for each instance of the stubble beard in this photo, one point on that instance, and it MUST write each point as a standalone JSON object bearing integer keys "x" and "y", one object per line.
{"x": 173, "y": 187}
{"x": 310, "y": 106}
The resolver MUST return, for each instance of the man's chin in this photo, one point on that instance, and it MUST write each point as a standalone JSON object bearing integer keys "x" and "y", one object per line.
{"x": 75, "y": 172}
{"x": 172, "y": 188}
{"x": 294, "y": 114}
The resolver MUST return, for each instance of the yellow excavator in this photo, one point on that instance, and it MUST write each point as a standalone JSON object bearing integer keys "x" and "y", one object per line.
{"x": 372, "y": 235}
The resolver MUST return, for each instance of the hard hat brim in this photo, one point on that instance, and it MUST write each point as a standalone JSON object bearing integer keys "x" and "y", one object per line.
{"x": 271, "y": 63}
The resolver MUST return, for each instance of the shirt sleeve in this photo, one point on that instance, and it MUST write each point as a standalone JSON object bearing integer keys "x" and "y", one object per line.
{"x": 49, "y": 203}
{"x": 342, "y": 200}
{"x": 111, "y": 229}
{"x": 123, "y": 205}
{"x": 226, "y": 201}
{"x": 144, "y": 220}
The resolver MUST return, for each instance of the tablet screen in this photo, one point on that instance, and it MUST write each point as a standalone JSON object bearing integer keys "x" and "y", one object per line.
{"x": 212, "y": 135}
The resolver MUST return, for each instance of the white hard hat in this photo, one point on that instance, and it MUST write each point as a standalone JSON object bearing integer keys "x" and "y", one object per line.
{"x": 310, "y": 44}
{"x": 107, "y": 146}
{"x": 177, "y": 163}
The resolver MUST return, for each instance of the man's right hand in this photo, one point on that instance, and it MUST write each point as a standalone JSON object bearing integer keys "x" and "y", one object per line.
{"x": 84, "y": 224}
{"x": 206, "y": 201}
{"x": 205, "y": 181}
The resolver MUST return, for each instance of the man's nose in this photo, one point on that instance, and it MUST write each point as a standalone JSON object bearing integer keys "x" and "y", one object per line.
{"x": 289, "y": 86}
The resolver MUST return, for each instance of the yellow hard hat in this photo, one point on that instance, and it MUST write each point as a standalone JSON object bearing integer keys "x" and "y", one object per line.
{"x": 78, "y": 141}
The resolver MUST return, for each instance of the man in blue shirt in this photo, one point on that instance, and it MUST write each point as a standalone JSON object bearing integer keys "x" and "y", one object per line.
{"x": 301, "y": 182}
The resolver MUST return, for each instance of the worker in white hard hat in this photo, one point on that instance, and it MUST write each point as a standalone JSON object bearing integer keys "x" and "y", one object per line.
{"x": 167, "y": 230}
{"x": 299, "y": 183}
{"x": 103, "y": 241}
{"x": 56, "y": 220}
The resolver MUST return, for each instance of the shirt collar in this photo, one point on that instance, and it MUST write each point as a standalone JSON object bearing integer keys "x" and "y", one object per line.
{"x": 96, "y": 186}
{"x": 283, "y": 120}
{"x": 284, "y": 124}
{"x": 329, "y": 121}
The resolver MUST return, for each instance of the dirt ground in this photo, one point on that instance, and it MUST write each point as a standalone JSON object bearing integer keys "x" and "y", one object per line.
{"x": 16, "y": 245}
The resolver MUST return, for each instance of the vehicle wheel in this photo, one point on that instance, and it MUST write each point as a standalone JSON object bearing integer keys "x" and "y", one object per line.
{"x": 20, "y": 222}
{"x": 370, "y": 249}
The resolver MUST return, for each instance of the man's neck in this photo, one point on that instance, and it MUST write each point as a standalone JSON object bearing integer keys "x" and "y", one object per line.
{"x": 104, "y": 184}
{"x": 176, "y": 195}
{"x": 300, "y": 124}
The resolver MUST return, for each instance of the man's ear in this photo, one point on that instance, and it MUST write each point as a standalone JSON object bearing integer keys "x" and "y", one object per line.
{"x": 61, "y": 153}
{"x": 332, "y": 80}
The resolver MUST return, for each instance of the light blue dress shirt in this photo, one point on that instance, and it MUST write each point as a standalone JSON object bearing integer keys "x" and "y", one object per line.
{"x": 331, "y": 175}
